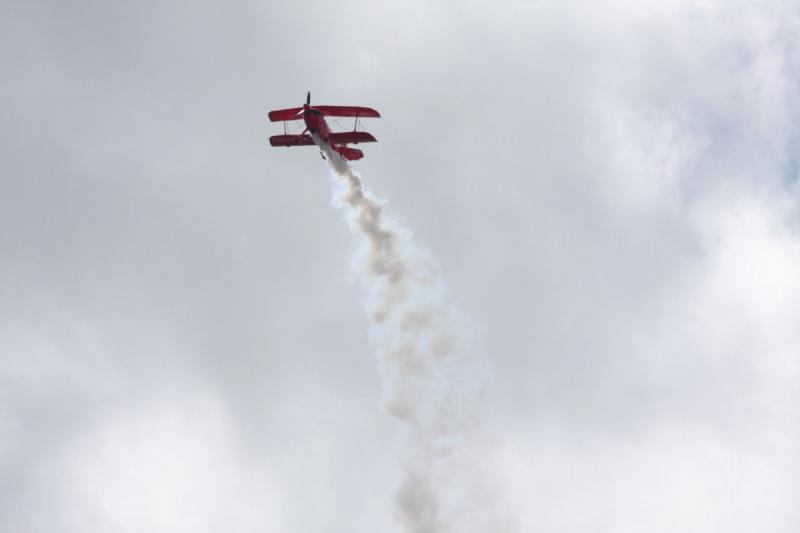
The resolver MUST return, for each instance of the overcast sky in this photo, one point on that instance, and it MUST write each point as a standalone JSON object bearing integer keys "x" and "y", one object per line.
{"x": 611, "y": 194}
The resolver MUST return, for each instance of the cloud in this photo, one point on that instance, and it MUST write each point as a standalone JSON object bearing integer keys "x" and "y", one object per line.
{"x": 611, "y": 193}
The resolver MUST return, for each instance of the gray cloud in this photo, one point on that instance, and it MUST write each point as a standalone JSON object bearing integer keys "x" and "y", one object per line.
{"x": 611, "y": 194}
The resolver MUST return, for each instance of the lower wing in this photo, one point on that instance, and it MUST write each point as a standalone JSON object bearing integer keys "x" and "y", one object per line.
{"x": 351, "y": 137}
{"x": 291, "y": 140}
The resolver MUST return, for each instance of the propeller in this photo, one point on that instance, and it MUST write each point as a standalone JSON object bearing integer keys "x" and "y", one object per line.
{"x": 302, "y": 109}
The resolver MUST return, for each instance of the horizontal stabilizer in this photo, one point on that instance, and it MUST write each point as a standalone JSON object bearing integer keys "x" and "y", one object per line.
{"x": 347, "y": 111}
{"x": 351, "y": 137}
{"x": 351, "y": 154}
{"x": 291, "y": 140}
{"x": 279, "y": 115}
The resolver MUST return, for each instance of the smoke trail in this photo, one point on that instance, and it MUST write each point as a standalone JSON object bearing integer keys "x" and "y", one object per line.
{"x": 431, "y": 382}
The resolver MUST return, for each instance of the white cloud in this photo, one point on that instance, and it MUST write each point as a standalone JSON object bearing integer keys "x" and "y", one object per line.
{"x": 172, "y": 464}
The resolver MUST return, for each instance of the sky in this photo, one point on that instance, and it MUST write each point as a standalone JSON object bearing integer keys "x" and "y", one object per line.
{"x": 610, "y": 194}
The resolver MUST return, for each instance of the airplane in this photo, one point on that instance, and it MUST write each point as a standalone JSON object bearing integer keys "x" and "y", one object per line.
{"x": 314, "y": 117}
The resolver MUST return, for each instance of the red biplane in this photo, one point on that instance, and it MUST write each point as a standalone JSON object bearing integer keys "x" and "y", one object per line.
{"x": 314, "y": 117}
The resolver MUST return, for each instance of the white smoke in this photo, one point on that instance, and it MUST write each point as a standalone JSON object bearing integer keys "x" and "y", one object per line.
{"x": 430, "y": 376}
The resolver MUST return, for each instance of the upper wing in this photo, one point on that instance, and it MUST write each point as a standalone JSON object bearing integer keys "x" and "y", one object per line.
{"x": 279, "y": 115}
{"x": 347, "y": 111}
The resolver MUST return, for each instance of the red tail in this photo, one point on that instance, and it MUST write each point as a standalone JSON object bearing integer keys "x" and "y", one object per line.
{"x": 351, "y": 154}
